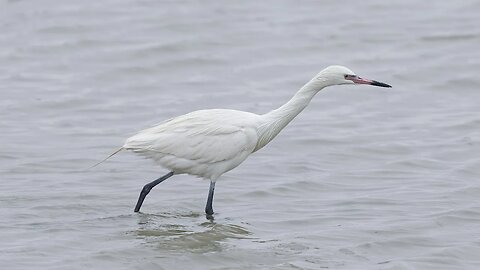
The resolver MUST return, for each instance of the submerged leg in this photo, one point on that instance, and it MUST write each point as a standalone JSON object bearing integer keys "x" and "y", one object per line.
{"x": 209, "y": 208}
{"x": 146, "y": 189}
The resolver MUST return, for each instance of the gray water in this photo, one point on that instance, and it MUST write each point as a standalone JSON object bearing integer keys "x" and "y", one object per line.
{"x": 364, "y": 178}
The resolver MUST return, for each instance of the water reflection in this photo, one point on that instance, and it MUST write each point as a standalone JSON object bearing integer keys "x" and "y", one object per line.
{"x": 187, "y": 232}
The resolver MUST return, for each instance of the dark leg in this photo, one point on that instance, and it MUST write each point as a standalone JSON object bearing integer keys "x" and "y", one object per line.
{"x": 146, "y": 189}
{"x": 209, "y": 208}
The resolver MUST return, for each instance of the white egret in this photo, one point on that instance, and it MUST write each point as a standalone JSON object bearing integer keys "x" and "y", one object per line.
{"x": 208, "y": 143}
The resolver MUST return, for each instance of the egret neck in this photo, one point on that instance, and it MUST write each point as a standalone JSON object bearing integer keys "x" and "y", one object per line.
{"x": 274, "y": 121}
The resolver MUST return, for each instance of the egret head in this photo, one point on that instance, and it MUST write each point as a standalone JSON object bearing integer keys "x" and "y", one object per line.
{"x": 337, "y": 75}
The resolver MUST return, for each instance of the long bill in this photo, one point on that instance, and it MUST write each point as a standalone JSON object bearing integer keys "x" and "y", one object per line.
{"x": 359, "y": 80}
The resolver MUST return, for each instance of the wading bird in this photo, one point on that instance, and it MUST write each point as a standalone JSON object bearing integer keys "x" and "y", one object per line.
{"x": 208, "y": 143}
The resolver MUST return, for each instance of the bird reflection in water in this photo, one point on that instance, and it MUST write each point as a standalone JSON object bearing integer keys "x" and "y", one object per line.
{"x": 187, "y": 232}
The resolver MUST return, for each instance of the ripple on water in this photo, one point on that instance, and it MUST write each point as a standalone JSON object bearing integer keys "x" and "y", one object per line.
{"x": 187, "y": 232}
{"x": 364, "y": 178}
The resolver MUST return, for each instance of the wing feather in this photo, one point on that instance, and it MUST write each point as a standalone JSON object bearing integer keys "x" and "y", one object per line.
{"x": 201, "y": 137}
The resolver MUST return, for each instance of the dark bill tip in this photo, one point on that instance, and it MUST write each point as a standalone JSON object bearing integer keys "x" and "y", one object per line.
{"x": 380, "y": 84}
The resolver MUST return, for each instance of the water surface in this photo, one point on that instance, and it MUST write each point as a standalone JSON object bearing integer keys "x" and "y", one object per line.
{"x": 364, "y": 178}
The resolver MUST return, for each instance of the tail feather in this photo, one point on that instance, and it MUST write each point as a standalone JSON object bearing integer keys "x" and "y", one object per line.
{"x": 111, "y": 155}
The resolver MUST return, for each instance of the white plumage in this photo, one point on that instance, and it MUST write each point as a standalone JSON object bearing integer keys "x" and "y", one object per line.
{"x": 208, "y": 143}
{"x": 205, "y": 143}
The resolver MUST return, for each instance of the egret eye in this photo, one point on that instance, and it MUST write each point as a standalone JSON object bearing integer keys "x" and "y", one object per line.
{"x": 349, "y": 77}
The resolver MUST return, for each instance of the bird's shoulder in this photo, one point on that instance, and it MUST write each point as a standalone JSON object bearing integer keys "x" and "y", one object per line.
{"x": 208, "y": 122}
